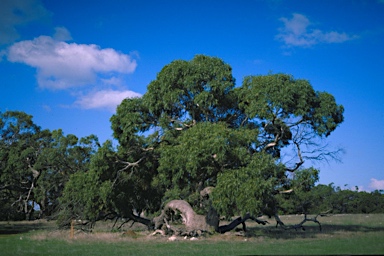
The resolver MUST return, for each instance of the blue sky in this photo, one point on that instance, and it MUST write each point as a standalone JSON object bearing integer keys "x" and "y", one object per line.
{"x": 70, "y": 63}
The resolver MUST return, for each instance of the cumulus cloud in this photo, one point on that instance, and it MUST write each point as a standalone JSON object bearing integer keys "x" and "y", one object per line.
{"x": 94, "y": 75}
{"x": 15, "y": 13}
{"x": 105, "y": 99}
{"x": 62, "y": 65}
{"x": 376, "y": 184}
{"x": 297, "y": 32}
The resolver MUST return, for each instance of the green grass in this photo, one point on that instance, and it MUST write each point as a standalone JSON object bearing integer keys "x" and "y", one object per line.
{"x": 342, "y": 234}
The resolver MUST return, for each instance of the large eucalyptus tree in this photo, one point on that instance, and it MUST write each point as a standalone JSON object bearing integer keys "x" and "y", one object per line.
{"x": 194, "y": 135}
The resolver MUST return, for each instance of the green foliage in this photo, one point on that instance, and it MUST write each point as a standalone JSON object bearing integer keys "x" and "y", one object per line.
{"x": 191, "y": 129}
{"x": 87, "y": 194}
{"x": 286, "y": 108}
{"x": 331, "y": 199}
{"x": 20, "y": 146}
{"x": 132, "y": 118}
{"x": 65, "y": 155}
{"x": 207, "y": 150}
{"x": 302, "y": 199}
{"x": 157, "y": 127}
{"x": 194, "y": 129}
{"x": 36, "y": 164}
{"x": 248, "y": 189}
{"x": 110, "y": 188}
{"x": 197, "y": 90}
{"x": 84, "y": 197}
{"x": 348, "y": 201}
{"x": 271, "y": 96}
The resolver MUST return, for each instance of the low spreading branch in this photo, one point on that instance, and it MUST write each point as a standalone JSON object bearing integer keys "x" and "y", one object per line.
{"x": 300, "y": 225}
{"x": 238, "y": 221}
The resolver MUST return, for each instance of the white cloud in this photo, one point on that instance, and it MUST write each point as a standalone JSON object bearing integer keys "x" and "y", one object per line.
{"x": 77, "y": 68}
{"x": 105, "y": 99}
{"x": 297, "y": 32}
{"x": 62, "y": 65}
{"x": 376, "y": 184}
{"x": 62, "y": 34}
{"x": 14, "y": 13}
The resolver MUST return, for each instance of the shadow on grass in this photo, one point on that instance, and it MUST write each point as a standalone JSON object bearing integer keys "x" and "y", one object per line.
{"x": 346, "y": 225}
{"x": 10, "y": 228}
{"x": 311, "y": 231}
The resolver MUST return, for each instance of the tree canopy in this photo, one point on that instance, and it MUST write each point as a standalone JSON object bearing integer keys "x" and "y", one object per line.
{"x": 35, "y": 164}
{"x": 194, "y": 129}
{"x": 194, "y": 137}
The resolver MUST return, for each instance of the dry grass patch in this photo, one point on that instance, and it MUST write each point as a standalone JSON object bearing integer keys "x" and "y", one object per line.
{"x": 335, "y": 226}
{"x": 108, "y": 237}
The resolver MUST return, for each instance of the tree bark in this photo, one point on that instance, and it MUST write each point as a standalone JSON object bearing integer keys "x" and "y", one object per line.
{"x": 195, "y": 222}
{"x": 141, "y": 220}
{"x": 190, "y": 218}
{"x": 238, "y": 221}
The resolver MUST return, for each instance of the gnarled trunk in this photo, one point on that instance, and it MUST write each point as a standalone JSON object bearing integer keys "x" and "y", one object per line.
{"x": 191, "y": 220}
{"x": 195, "y": 222}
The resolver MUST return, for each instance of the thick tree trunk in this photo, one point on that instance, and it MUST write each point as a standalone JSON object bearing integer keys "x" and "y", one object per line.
{"x": 197, "y": 223}
{"x": 191, "y": 220}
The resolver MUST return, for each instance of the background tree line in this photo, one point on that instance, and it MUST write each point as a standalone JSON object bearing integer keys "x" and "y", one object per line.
{"x": 194, "y": 136}
{"x": 334, "y": 200}
{"x": 36, "y": 164}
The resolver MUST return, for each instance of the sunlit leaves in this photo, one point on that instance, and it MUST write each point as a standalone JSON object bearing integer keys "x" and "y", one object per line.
{"x": 275, "y": 96}
{"x": 198, "y": 90}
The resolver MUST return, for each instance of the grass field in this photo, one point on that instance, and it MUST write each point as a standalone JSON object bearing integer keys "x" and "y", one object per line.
{"x": 341, "y": 234}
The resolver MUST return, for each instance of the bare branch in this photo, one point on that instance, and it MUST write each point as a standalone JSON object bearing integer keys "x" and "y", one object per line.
{"x": 129, "y": 164}
{"x": 307, "y": 145}
{"x": 183, "y": 124}
{"x": 35, "y": 173}
{"x": 301, "y": 161}
{"x": 126, "y": 167}
{"x": 299, "y": 225}
{"x": 286, "y": 191}
{"x": 278, "y": 136}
